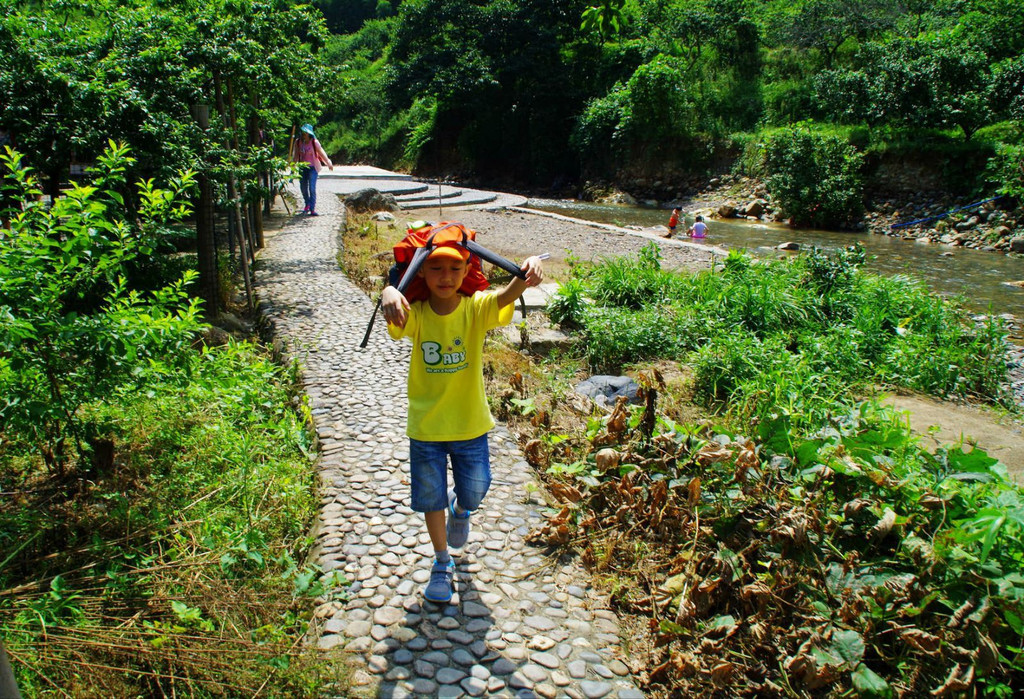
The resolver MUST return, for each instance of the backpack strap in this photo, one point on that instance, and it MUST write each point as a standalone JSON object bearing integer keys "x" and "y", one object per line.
{"x": 494, "y": 258}
{"x": 421, "y": 255}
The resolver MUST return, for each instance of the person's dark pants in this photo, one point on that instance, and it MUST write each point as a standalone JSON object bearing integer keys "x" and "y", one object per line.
{"x": 307, "y": 185}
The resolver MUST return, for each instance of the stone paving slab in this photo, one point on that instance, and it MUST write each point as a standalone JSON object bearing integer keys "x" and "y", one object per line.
{"x": 397, "y": 187}
{"x": 521, "y": 624}
{"x": 362, "y": 172}
{"x": 413, "y": 194}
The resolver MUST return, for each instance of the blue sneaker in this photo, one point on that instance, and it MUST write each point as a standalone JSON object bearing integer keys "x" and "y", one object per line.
{"x": 439, "y": 589}
{"x": 458, "y": 524}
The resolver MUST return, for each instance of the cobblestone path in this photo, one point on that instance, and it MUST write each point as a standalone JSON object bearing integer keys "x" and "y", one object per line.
{"x": 520, "y": 624}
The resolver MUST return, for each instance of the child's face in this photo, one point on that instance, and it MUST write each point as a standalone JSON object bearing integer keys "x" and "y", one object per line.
{"x": 443, "y": 275}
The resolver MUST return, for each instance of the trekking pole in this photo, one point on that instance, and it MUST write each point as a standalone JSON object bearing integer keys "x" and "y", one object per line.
{"x": 421, "y": 255}
{"x": 8, "y": 686}
{"x": 414, "y": 265}
{"x": 369, "y": 327}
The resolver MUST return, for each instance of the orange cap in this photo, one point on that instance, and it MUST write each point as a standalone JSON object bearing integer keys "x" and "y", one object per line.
{"x": 456, "y": 252}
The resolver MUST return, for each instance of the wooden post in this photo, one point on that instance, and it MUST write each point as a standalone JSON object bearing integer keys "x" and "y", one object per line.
{"x": 256, "y": 206}
{"x": 240, "y": 188}
{"x": 206, "y": 247}
{"x": 243, "y": 253}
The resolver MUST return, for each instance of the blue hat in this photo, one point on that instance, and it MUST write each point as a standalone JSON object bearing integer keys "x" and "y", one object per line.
{"x": 308, "y": 128}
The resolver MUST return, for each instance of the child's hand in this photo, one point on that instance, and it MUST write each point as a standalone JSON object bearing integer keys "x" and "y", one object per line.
{"x": 534, "y": 269}
{"x": 395, "y": 306}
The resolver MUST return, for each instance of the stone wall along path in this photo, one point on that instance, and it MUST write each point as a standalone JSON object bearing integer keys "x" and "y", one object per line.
{"x": 521, "y": 624}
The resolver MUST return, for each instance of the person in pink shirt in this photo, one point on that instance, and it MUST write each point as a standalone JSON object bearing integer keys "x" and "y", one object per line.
{"x": 699, "y": 228}
{"x": 311, "y": 156}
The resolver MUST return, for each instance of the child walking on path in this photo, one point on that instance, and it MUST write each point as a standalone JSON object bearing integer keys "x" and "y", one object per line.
{"x": 308, "y": 151}
{"x": 448, "y": 413}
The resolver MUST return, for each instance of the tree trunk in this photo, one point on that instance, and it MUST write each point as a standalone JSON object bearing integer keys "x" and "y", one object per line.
{"x": 256, "y": 208}
{"x": 241, "y": 208}
{"x": 206, "y": 247}
{"x": 243, "y": 251}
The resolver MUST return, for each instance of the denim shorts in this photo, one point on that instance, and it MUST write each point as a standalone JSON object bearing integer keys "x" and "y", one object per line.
{"x": 428, "y": 466}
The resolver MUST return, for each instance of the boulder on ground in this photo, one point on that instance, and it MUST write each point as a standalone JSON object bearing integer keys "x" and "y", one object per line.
{"x": 212, "y": 336}
{"x": 754, "y": 208}
{"x": 620, "y": 198}
{"x": 789, "y": 245}
{"x": 604, "y": 390}
{"x": 726, "y": 211}
{"x": 1017, "y": 245}
{"x": 371, "y": 199}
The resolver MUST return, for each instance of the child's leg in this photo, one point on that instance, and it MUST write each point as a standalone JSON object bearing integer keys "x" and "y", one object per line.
{"x": 428, "y": 475}
{"x": 471, "y": 471}
{"x": 436, "y": 529}
{"x": 428, "y": 466}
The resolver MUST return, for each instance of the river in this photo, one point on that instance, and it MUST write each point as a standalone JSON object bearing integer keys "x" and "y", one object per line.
{"x": 979, "y": 277}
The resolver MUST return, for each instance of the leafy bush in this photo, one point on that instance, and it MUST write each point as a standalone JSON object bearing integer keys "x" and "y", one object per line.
{"x": 186, "y": 545}
{"x": 1007, "y": 168}
{"x": 568, "y": 305}
{"x": 596, "y": 132}
{"x": 787, "y": 101}
{"x": 817, "y": 547}
{"x": 815, "y": 179}
{"x": 658, "y": 108}
{"x": 616, "y": 336}
{"x": 72, "y": 330}
{"x": 632, "y": 283}
{"x": 650, "y": 111}
{"x": 720, "y": 368}
{"x": 801, "y": 336}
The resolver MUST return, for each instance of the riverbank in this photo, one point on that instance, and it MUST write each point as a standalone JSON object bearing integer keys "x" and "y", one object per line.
{"x": 993, "y": 226}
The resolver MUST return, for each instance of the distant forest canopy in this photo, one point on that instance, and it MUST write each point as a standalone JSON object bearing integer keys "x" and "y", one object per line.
{"x": 540, "y": 92}
{"x": 76, "y": 75}
{"x": 536, "y": 93}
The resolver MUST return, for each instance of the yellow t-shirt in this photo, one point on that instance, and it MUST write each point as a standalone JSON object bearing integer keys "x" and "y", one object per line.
{"x": 446, "y": 376}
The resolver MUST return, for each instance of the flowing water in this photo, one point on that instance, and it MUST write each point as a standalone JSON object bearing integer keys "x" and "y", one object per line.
{"x": 980, "y": 277}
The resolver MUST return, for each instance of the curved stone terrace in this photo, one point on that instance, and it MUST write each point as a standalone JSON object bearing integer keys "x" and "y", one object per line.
{"x": 410, "y": 193}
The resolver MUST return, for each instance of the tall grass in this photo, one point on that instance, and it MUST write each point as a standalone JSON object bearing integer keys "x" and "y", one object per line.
{"x": 173, "y": 562}
{"x": 804, "y": 337}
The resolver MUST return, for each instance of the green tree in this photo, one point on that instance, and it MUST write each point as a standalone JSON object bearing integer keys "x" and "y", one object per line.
{"x": 70, "y": 329}
{"x": 910, "y": 83}
{"x": 606, "y": 19}
{"x": 816, "y": 179}
{"x": 996, "y": 26}
{"x": 499, "y": 75}
{"x": 79, "y": 74}
{"x": 658, "y": 109}
{"x": 825, "y": 25}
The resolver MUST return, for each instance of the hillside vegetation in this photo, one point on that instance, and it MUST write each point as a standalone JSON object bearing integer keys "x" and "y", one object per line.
{"x": 656, "y": 94}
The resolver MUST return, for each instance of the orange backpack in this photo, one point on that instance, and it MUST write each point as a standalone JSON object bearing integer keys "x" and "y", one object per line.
{"x": 415, "y": 247}
{"x": 427, "y": 235}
